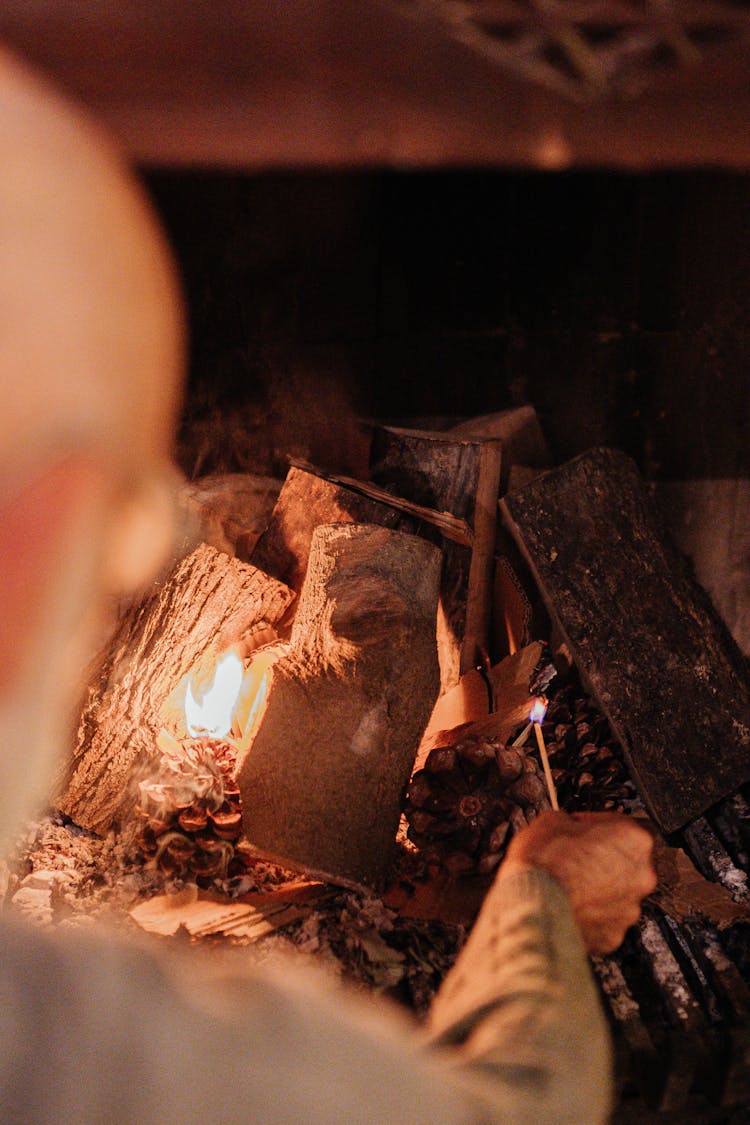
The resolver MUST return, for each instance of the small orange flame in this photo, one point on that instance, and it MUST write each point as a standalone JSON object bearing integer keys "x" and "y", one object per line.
{"x": 538, "y": 710}
{"x": 210, "y": 715}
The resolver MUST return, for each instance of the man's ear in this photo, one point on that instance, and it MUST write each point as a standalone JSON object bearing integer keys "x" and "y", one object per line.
{"x": 35, "y": 525}
{"x": 140, "y": 535}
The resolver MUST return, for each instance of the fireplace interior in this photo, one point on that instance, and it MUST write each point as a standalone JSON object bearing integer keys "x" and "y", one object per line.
{"x": 585, "y": 282}
{"x": 325, "y": 306}
{"x": 616, "y": 304}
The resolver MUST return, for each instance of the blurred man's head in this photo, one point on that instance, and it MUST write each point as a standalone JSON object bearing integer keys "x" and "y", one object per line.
{"x": 90, "y": 371}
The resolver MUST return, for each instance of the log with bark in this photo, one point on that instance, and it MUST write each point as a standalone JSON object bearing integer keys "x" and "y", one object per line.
{"x": 323, "y": 777}
{"x": 209, "y": 602}
{"x": 646, "y": 640}
{"x": 460, "y": 476}
{"x": 524, "y": 447}
{"x": 311, "y": 498}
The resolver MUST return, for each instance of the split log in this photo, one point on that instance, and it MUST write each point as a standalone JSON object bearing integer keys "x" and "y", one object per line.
{"x": 645, "y": 637}
{"x": 468, "y": 709}
{"x": 309, "y": 499}
{"x": 525, "y": 457}
{"x": 460, "y": 476}
{"x": 323, "y": 778}
{"x": 209, "y": 600}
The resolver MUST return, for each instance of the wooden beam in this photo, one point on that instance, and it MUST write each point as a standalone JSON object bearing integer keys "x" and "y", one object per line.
{"x": 288, "y": 83}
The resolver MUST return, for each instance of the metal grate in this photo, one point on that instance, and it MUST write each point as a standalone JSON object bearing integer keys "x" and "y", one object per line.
{"x": 593, "y": 48}
{"x": 678, "y": 992}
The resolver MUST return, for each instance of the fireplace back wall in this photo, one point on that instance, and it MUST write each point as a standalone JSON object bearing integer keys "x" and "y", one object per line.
{"x": 619, "y": 305}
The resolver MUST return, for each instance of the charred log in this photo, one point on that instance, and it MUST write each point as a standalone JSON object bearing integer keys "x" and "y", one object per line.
{"x": 644, "y": 636}
{"x": 459, "y": 475}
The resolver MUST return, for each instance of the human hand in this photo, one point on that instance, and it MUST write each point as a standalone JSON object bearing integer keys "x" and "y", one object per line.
{"x": 603, "y": 860}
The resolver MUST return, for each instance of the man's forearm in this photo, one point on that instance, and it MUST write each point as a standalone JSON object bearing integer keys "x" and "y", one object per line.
{"x": 520, "y": 1006}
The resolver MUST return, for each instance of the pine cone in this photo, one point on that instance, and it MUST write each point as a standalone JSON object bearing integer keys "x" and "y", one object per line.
{"x": 463, "y": 808}
{"x": 192, "y": 816}
{"x": 585, "y": 758}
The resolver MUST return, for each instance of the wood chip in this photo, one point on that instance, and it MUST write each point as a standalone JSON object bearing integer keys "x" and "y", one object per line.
{"x": 204, "y": 914}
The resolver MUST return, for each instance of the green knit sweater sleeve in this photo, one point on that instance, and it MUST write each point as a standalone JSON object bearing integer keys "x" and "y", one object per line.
{"x": 521, "y": 1010}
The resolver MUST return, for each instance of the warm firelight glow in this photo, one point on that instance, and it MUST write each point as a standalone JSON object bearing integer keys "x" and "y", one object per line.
{"x": 210, "y": 715}
{"x": 538, "y": 710}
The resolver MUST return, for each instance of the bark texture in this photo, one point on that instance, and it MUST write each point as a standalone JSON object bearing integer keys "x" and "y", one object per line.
{"x": 308, "y": 500}
{"x": 208, "y": 600}
{"x": 459, "y": 475}
{"x": 322, "y": 781}
{"x": 646, "y": 639}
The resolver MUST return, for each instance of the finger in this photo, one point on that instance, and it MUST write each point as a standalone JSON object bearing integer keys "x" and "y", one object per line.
{"x": 605, "y": 939}
{"x": 648, "y": 881}
{"x": 634, "y": 845}
{"x": 620, "y": 825}
{"x": 620, "y": 914}
{"x": 604, "y": 934}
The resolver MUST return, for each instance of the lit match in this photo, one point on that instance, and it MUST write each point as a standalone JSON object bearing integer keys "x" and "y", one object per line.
{"x": 536, "y": 718}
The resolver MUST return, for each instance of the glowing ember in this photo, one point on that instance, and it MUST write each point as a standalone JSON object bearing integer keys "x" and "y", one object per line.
{"x": 210, "y": 716}
{"x": 538, "y": 710}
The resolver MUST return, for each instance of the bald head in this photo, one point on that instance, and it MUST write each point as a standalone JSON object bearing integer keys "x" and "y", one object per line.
{"x": 90, "y": 323}
{"x": 90, "y": 370}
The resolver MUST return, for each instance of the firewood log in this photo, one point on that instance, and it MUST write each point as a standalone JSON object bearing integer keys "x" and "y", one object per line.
{"x": 323, "y": 778}
{"x": 461, "y": 476}
{"x": 208, "y": 600}
{"x": 309, "y": 499}
{"x": 645, "y": 638}
{"x": 518, "y": 429}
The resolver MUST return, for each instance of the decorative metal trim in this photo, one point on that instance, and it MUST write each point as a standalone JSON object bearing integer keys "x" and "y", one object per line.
{"x": 587, "y": 49}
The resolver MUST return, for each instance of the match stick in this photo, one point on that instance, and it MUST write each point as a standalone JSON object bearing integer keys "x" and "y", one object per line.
{"x": 545, "y": 762}
{"x": 520, "y": 741}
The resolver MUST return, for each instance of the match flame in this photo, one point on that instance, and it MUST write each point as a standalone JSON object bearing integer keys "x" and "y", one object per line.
{"x": 538, "y": 710}
{"x": 210, "y": 716}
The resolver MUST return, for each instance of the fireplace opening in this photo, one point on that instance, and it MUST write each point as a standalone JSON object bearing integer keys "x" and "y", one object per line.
{"x": 616, "y": 304}
{"x": 372, "y": 326}
{"x": 574, "y": 343}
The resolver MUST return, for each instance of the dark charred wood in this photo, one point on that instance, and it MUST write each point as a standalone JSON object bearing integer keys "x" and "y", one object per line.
{"x": 459, "y": 475}
{"x": 636, "y": 1056}
{"x": 692, "y": 1049}
{"x": 712, "y": 859}
{"x": 643, "y": 634}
